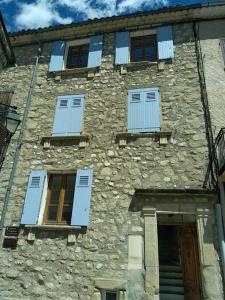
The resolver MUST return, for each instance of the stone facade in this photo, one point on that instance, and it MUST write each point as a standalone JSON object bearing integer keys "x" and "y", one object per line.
{"x": 56, "y": 264}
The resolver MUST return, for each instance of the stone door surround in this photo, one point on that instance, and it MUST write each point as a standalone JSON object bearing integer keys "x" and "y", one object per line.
{"x": 197, "y": 203}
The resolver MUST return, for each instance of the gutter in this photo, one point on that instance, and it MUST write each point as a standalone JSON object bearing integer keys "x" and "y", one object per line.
{"x": 221, "y": 237}
{"x": 19, "y": 141}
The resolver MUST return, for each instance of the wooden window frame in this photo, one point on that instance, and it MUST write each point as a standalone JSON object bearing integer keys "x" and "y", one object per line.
{"x": 143, "y": 39}
{"x": 81, "y": 49}
{"x": 60, "y": 205}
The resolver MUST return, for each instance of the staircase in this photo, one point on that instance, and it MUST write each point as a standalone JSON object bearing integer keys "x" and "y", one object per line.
{"x": 171, "y": 283}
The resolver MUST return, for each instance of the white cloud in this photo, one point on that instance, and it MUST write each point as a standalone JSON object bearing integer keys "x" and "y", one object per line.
{"x": 5, "y": 1}
{"x": 102, "y": 8}
{"x": 133, "y": 5}
{"x": 42, "y": 13}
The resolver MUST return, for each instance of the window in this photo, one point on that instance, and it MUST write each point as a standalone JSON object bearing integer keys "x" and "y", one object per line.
{"x": 69, "y": 112}
{"x": 143, "y": 110}
{"x": 77, "y": 57}
{"x": 85, "y": 53}
{"x": 148, "y": 45}
{"x": 110, "y": 295}
{"x": 143, "y": 48}
{"x": 58, "y": 199}
{"x": 59, "y": 202}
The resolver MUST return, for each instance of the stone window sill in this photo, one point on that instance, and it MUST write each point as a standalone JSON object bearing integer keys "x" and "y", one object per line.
{"x": 72, "y": 231}
{"x": 81, "y": 140}
{"x": 90, "y": 72}
{"x": 53, "y": 227}
{"x": 142, "y": 64}
{"x": 162, "y": 137}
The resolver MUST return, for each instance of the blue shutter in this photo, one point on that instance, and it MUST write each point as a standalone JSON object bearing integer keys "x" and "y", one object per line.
{"x": 165, "y": 42}
{"x": 151, "y": 110}
{"x": 68, "y": 115}
{"x": 95, "y": 51}
{"x": 122, "y": 48}
{"x": 135, "y": 111}
{"x": 57, "y": 57}
{"x": 82, "y": 198}
{"x": 33, "y": 198}
{"x": 143, "y": 110}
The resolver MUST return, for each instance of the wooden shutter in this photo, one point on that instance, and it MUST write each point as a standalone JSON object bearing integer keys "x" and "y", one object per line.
{"x": 57, "y": 56}
{"x": 143, "y": 110}
{"x": 68, "y": 115}
{"x": 33, "y": 197}
{"x": 95, "y": 51}
{"x": 151, "y": 110}
{"x": 122, "y": 48}
{"x": 165, "y": 42}
{"x": 135, "y": 111}
{"x": 82, "y": 198}
{"x": 222, "y": 45}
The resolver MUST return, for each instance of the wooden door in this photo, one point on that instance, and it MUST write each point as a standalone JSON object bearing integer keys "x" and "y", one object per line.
{"x": 190, "y": 261}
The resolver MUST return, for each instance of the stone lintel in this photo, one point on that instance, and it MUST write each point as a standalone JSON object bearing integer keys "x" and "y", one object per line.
{"x": 110, "y": 283}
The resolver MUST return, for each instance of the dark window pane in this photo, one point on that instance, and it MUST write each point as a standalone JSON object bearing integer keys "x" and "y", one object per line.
{"x": 52, "y": 213}
{"x": 143, "y": 49}
{"x": 69, "y": 191}
{"x": 66, "y": 214}
{"x": 56, "y": 186}
{"x": 137, "y": 54}
{"x": 68, "y": 197}
{"x": 150, "y": 54}
{"x": 111, "y": 296}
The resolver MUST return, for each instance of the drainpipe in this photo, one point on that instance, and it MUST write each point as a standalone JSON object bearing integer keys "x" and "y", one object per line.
{"x": 221, "y": 237}
{"x": 20, "y": 140}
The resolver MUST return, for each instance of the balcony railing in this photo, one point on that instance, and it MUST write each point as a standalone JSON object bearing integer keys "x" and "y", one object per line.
{"x": 220, "y": 150}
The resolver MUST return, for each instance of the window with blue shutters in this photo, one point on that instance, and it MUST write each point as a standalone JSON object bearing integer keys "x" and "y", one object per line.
{"x": 147, "y": 45}
{"x": 144, "y": 110}
{"x": 68, "y": 119}
{"x": 68, "y": 198}
{"x": 76, "y": 54}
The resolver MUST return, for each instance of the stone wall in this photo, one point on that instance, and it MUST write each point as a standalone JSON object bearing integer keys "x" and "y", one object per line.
{"x": 210, "y": 35}
{"x": 49, "y": 268}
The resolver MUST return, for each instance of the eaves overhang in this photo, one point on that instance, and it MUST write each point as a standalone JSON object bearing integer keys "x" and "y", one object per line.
{"x": 140, "y": 20}
{"x": 5, "y": 43}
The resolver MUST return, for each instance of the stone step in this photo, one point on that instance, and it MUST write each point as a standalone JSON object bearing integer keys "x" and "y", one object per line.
{"x": 171, "y": 297}
{"x": 170, "y": 275}
{"x": 171, "y": 281}
{"x": 170, "y": 268}
{"x": 172, "y": 289}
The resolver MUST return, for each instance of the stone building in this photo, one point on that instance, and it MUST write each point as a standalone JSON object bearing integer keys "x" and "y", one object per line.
{"x": 102, "y": 193}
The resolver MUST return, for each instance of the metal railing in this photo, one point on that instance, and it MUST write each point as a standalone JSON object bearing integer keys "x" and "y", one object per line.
{"x": 220, "y": 150}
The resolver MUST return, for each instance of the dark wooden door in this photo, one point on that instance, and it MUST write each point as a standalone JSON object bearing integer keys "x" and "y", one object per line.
{"x": 190, "y": 261}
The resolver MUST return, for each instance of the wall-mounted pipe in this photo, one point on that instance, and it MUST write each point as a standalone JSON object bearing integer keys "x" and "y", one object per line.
{"x": 20, "y": 140}
{"x": 221, "y": 237}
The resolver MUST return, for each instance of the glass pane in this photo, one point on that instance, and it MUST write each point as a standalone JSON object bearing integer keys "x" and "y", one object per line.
{"x": 52, "y": 213}
{"x": 111, "y": 296}
{"x": 150, "y": 54}
{"x": 56, "y": 186}
{"x": 66, "y": 214}
{"x": 70, "y": 182}
{"x": 83, "y": 59}
{"x": 137, "y": 54}
{"x": 68, "y": 197}
{"x": 69, "y": 191}
{"x": 73, "y": 61}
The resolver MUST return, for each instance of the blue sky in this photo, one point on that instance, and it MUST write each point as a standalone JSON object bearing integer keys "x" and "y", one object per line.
{"x": 24, "y": 14}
